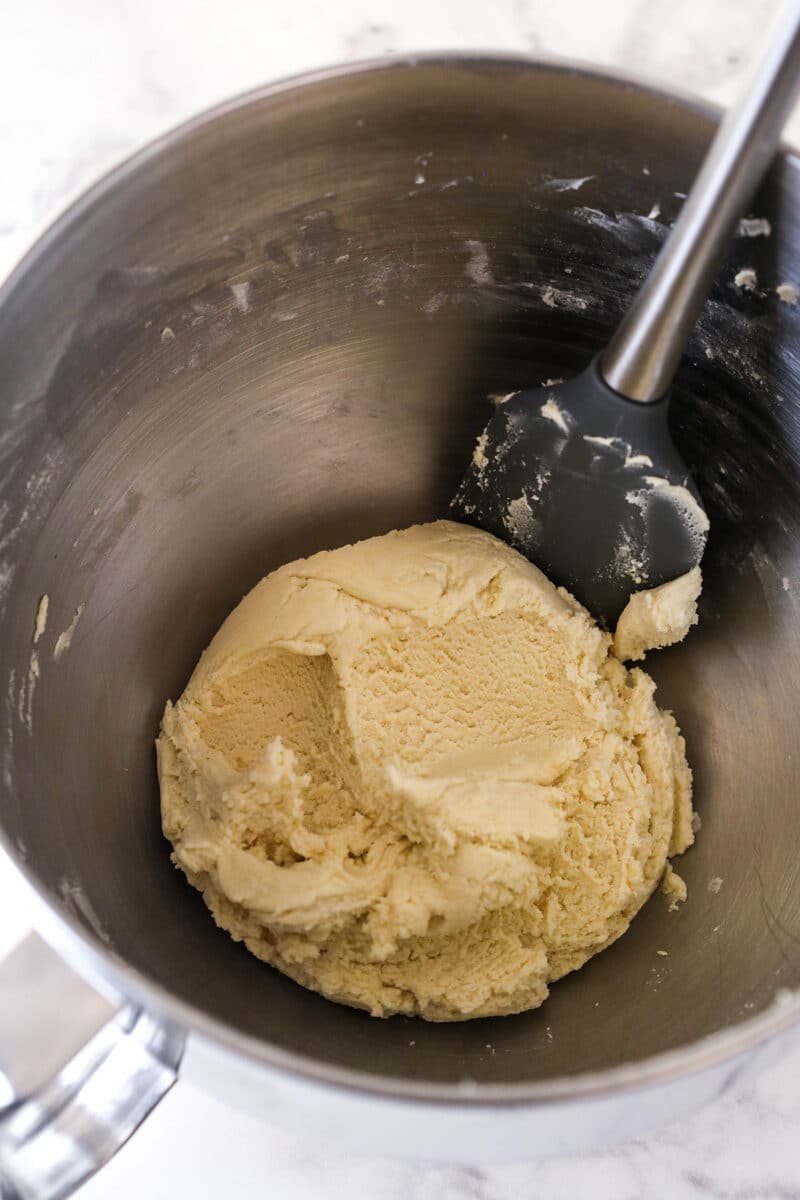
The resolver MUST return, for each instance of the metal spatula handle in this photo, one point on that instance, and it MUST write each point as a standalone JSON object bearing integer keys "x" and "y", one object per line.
{"x": 642, "y": 357}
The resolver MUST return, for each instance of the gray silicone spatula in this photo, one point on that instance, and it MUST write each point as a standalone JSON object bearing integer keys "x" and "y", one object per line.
{"x": 584, "y": 477}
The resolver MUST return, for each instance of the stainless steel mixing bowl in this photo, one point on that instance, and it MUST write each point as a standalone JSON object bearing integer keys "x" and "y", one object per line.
{"x": 275, "y": 331}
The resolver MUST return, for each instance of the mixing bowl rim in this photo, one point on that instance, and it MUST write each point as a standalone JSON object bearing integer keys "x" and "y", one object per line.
{"x": 100, "y": 964}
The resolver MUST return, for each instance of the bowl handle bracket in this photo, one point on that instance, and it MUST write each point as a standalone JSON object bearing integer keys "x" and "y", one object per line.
{"x": 77, "y": 1074}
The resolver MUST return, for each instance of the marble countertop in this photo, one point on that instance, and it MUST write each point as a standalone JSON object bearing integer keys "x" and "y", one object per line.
{"x": 84, "y": 84}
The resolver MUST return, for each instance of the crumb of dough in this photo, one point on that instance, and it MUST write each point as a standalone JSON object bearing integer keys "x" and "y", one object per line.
{"x": 658, "y": 617}
{"x": 40, "y": 621}
{"x": 754, "y": 227}
{"x": 479, "y": 453}
{"x": 787, "y": 293}
{"x": 673, "y": 887}
{"x": 64, "y": 640}
{"x": 746, "y": 279}
{"x": 411, "y": 774}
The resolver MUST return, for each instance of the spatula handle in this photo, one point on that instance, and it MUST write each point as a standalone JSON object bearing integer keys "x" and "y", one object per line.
{"x": 643, "y": 355}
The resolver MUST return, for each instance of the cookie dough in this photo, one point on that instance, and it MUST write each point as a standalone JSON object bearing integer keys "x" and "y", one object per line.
{"x": 658, "y": 617}
{"x": 411, "y": 774}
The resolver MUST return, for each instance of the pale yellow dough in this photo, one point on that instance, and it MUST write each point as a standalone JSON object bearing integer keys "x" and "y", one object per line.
{"x": 411, "y": 774}
{"x": 658, "y": 617}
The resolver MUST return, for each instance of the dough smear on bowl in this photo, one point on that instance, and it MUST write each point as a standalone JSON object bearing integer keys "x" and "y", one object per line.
{"x": 411, "y": 774}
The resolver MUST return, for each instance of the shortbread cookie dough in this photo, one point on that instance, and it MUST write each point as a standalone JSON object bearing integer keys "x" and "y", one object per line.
{"x": 658, "y": 617}
{"x": 411, "y": 774}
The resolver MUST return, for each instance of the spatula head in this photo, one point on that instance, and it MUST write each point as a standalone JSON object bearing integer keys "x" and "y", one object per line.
{"x": 590, "y": 487}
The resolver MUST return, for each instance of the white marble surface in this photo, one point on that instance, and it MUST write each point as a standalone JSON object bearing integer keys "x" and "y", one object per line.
{"x": 84, "y": 83}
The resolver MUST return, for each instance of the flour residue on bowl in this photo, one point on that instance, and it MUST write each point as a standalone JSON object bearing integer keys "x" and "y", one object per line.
{"x": 28, "y": 686}
{"x": 478, "y": 268}
{"x": 40, "y": 620}
{"x": 555, "y": 297}
{"x": 241, "y": 296}
{"x": 8, "y": 749}
{"x": 21, "y": 696}
{"x": 33, "y": 677}
{"x": 64, "y": 640}
{"x": 78, "y": 904}
{"x": 12, "y": 525}
{"x": 454, "y": 183}
{"x": 434, "y": 303}
{"x": 566, "y": 185}
{"x": 6, "y": 578}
